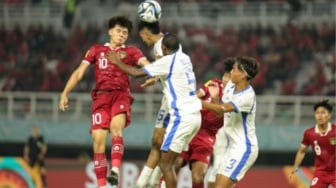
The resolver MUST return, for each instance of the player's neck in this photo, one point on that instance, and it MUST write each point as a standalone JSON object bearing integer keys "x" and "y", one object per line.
{"x": 241, "y": 86}
{"x": 322, "y": 127}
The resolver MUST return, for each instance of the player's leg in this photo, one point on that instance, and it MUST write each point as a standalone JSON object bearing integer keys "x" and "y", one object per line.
{"x": 151, "y": 172}
{"x": 100, "y": 163}
{"x": 43, "y": 172}
{"x": 198, "y": 171}
{"x": 167, "y": 162}
{"x": 117, "y": 126}
{"x": 152, "y": 160}
{"x": 224, "y": 182}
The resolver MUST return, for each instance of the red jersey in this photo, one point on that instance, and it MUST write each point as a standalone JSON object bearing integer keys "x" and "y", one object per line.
{"x": 107, "y": 75}
{"x": 323, "y": 145}
{"x": 211, "y": 122}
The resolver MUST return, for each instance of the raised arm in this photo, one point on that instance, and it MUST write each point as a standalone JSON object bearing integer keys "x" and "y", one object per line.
{"x": 133, "y": 71}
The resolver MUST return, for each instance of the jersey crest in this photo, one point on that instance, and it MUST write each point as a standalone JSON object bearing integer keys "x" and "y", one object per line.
{"x": 332, "y": 141}
{"x": 122, "y": 54}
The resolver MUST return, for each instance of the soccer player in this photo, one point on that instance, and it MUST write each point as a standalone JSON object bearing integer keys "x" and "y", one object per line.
{"x": 152, "y": 36}
{"x": 239, "y": 108}
{"x": 34, "y": 152}
{"x": 200, "y": 147}
{"x": 221, "y": 141}
{"x": 179, "y": 87}
{"x": 111, "y": 96}
{"x": 322, "y": 139}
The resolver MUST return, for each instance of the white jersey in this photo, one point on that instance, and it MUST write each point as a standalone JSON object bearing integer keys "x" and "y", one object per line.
{"x": 239, "y": 128}
{"x": 179, "y": 82}
{"x": 240, "y": 124}
{"x": 179, "y": 88}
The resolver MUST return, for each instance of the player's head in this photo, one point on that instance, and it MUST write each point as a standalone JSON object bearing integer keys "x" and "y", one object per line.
{"x": 35, "y": 130}
{"x": 322, "y": 112}
{"x": 248, "y": 65}
{"x": 324, "y": 104}
{"x": 119, "y": 29}
{"x": 228, "y": 64}
{"x": 149, "y": 32}
{"x": 170, "y": 44}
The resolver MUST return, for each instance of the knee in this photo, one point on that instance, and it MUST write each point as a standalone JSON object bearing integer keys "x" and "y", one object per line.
{"x": 156, "y": 141}
{"x": 197, "y": 177}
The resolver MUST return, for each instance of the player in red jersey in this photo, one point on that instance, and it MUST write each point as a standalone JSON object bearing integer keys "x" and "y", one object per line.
{"x": 322, "y": 139}
{"x": 111, "y": 98}
{"x": 200, "y": 147}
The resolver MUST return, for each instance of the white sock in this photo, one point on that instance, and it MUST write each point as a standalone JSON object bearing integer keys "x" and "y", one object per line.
{"x": 115, "y": 169}
{"x": 155, "y": 178}
{"x": 144, "y": 176}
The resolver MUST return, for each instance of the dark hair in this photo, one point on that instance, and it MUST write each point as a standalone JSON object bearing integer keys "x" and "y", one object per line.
{"x": 325, "y": 104}
{"x": 228, "y": 64}
{"x": 171, "y": 42}
{"x": 249, "y": 65}
{"x": 122, "y": 21}
{"x": 154, "y": 27}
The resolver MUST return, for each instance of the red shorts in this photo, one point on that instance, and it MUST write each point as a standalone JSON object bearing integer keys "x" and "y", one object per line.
{"x": 107, "y": 104}
{"x": 199, "y": 149}
{"x": 323, "y": 179}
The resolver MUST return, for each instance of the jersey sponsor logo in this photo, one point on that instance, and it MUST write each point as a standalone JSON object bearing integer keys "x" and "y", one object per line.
{"x": 122, "y": 107}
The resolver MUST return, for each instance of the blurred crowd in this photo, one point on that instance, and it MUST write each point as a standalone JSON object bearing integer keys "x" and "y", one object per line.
{"x": 295, "y": 60}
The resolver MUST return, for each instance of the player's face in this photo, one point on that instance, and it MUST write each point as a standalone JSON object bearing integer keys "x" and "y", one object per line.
{"x": 236, "y": 74}
{"x": 118, "y": 35}
{"x": 322, "y": 116}
{"x": 144, "y": 35}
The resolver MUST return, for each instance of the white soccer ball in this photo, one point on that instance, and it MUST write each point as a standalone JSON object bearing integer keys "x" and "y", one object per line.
{"x": 149, "y": 11}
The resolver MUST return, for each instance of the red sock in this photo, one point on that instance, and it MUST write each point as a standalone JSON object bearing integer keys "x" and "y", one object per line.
{"x": 198, "y": 185}
{"x": 117, "y": 151}
{"x": 100, "y": 168}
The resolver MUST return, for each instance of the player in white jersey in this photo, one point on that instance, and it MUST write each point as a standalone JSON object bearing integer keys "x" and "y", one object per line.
{"x": 179, "y": 87}
{"x": 239, "y": 108}
{"x": 152, "y": 36}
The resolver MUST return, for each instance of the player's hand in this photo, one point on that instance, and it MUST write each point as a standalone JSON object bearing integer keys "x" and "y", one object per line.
{"x": 150, "y": 81}
{"x": 63, "y": 104}
{"x": 213, "y": 89}
{"x": 112, "y": 57}
{"x": 292, "y": 173}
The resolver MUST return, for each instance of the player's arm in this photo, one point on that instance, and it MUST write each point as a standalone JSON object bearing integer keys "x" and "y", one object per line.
{"x": 300, "y": 154}
{"x": 26, "y": 152}
{"x": 75, "y": 77}
{"x": 133, "y": 71}
{"x": 43, "y": 149}
{"x": 218, "y": 108}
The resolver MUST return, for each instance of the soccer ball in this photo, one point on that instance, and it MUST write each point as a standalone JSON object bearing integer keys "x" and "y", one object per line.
{"x": 149, "y": 11}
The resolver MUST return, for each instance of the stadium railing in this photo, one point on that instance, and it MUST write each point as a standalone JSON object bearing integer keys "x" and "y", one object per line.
{"x": 271, "y": 109}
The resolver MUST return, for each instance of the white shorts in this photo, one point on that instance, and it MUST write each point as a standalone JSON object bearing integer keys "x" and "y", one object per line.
{"x": 218, "y": 152}
{"x": 235, "y": 163}
{"x": 180, "y": 131}
{"x": 163, "y": 117}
